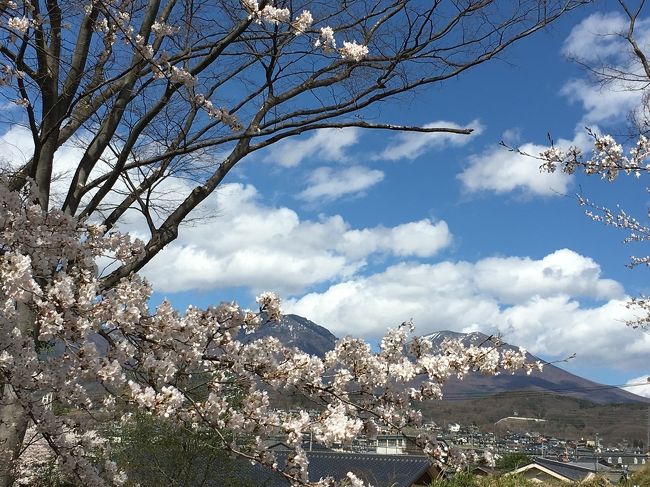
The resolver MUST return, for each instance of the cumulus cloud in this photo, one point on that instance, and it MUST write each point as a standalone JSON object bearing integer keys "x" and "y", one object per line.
{"x": 602, "y": 104}
{"x": 423, "y": 238}
{"x": 409, "y": 145}
{"x": 544, "y": 314}
{"x": 18, "y": 146}
{"x": 559, "y": 326}
{"x": 326, "y": 183}
{"x": 501, "y": 171}
{"x": 323, "y": 144}
{"x": 257, "y": 246}
{"x": 639, "y": 385}
{"x": 515, "y": 279}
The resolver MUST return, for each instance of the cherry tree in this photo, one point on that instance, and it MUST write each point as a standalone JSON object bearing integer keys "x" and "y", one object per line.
{"x": 625, "y": 155}
{"x": 150, "y": 91}
{"x": 94, "y": 348}
{"x": 608, "y": 160}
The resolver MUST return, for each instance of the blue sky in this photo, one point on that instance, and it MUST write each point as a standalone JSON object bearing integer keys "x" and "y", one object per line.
{"x": 359, "y": 231}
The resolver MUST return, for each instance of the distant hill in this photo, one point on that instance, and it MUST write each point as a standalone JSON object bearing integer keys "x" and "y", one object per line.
{"x": 564, "y": 416}
{"x": 306, "y": 335}
{"x": 552, "y": 379}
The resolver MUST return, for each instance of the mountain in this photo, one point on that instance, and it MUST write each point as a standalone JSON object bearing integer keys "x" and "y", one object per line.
{"x": 552, "y": 379}
{"x": 299, "y": 332}
{"x": 306, "y": 335}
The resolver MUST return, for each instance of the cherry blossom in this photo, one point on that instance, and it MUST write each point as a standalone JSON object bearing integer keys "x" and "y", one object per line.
{"x": 91, "y": 342}
{"x": 608, "y": 158}
{"x": 353, "y": 51}
{"x": 326, "y": 40}
{"x": 162, "y": 29}
{"x": 302, "y": 22}
{"x": 19, "y": 24}
{"x": 150, "y": 359}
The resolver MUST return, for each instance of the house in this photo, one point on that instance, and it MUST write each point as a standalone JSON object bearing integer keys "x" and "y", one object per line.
{"x": 390, "y": 444}
{"x": 629, "y": 461}
{"x": 378, "y": 470}
{"x": 547, "y": 470}
{"x": 484, "y": 471}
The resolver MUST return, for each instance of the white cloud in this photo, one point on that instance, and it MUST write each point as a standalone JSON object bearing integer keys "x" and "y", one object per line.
{"x": 323, "y": 144}
{"x": 597, "y": 38}
{"x": 516, "y": 279}
{"x": 639, "y": 385}
{"x": 409, "y": 145}
{"x": 559, "y": 326}
{"x": 326, "y": 183}
{"x": 501, "y": 171}
{"x": 263, "y": 247}
{"x": 543, "y": 314}
{"x": 599, "y": 42}
{"x": 436, "y": 296}
{"x": 602, "y": 102}
{"x": 18, "y": 146}
{"x": 423, "y": 238}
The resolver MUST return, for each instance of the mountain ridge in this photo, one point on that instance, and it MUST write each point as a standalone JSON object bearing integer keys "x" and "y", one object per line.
{"x": 552, "y": 379}
{"x": 300, "y": 332}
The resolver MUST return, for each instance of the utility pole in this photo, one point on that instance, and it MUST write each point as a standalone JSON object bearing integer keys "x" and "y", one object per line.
{"x": 647, "y": 441}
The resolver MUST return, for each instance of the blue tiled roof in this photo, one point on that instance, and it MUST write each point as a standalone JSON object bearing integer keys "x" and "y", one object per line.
{"x": 569, "y": 470}
{"x": 378, "y": 470}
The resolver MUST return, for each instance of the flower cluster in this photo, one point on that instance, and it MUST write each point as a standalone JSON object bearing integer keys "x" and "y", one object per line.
{"x": 221, "y": 114}
{"x": 326, "y": 40}
{"x": 268, "y": 13}
{"x": 19, "y": 24}
{"x": 608, "y": 158}
{"x": 161, "y": 29}
{"x": 51, "y": 296}
{"x": 353, "y": 51}
{"x": 7, "y": 75}
{"x": 302, "y": 22}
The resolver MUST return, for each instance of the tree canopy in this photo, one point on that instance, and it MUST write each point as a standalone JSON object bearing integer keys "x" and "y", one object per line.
{"x": 150, "y": 91}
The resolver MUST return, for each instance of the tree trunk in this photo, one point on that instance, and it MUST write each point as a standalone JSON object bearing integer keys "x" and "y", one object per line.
{"x": 13, "y": 425}
{"x": 13, "y": 416}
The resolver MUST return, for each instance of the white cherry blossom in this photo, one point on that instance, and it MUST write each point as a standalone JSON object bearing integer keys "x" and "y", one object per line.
{"x": 326, "y": 40}
{"x": 19, "y": 24}
{"x": 48, "y": 271}
{"x": 353, "y": 51}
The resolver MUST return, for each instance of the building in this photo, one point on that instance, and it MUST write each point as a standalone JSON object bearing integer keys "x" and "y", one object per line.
{"x": 378, "y": 470}
{"x": 547, "y": 470}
